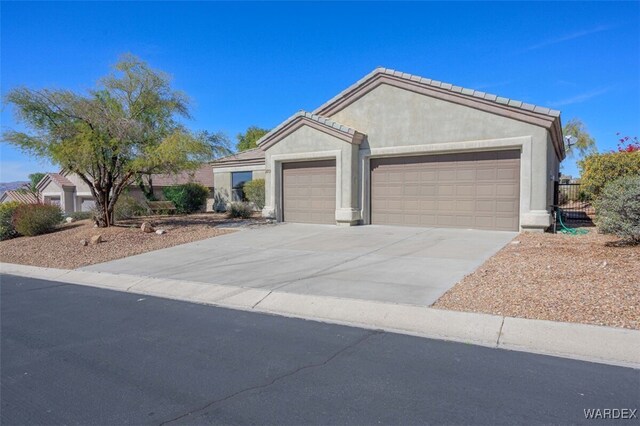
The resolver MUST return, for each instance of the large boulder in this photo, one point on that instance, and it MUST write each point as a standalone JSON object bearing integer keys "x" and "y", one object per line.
{"x": 96, "y": 239}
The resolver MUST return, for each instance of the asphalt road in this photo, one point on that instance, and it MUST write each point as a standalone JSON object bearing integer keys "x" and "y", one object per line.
{"x": 79, "y": 355}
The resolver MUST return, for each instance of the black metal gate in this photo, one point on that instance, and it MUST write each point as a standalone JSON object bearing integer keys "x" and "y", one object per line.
{"x": 574, "y": 204}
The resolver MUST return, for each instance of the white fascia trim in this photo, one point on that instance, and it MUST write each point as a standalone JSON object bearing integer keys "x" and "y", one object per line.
{"x": 253, "y": 168}
{"x": 275, "y": 166}
{"x": 522, "y": 142}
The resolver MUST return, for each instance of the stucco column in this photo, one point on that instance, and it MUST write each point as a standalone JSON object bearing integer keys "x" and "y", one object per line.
{"x": 348, "y": 212}
{"x": 269, "y": 210}
{"x": 538, "y": 217}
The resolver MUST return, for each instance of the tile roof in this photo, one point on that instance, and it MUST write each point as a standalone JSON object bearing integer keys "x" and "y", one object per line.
{"x": 248, "y": 157}
{"x": 313, "y": 117}
{"x": 60, "y": 180}
{"x": 203, "y": 175}
{"x": 443, "y": 86}
{"x": 20, "y": 196}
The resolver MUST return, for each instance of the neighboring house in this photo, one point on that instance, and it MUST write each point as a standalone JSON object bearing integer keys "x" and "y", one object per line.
{"x": 399, "y": 149}
{"x": 72, "y": 194}
{"x": 19, "y": 196}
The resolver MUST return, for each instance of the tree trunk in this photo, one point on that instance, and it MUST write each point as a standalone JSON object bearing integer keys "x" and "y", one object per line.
{"x": 104, "y": 213}
{"x": 147, "y": 189}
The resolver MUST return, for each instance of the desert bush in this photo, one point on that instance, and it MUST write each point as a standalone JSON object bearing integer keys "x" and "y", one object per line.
{"x": 599, "y": 169}
{"x": 7, "y": 229}
{"x": 81, "y": 215}
{"x": 36, "y": 219}
{"x": 618, "y": 208}
{"x": 187, "y": 198}
{"x": 240, "y": 209}
{"x": 128, "y": 207}
{"x": 254, "y": 191}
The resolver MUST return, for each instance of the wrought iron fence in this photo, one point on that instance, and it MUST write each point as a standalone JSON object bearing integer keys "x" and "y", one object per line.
{"x": 574, "y": 204}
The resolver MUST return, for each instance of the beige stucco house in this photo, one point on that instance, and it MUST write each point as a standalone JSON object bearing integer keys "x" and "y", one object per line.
{"x": 18, "y": 196}
{"x": 398, "y": 149}
{"x": 72, "y": 194}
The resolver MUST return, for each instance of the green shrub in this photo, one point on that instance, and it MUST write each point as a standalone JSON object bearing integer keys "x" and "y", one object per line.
{"x": 618, "y": 208}
{"x": 127, "y": 207}
{"x": 36, "y": 219}
{"x": 240, "y": 209}
{"x": 254, "y": 191}
{"x": 7, "y": 229}
{"x": 81, "y": 215}
{"x": 599, "y": 169}
{"x": 187, "y": 198}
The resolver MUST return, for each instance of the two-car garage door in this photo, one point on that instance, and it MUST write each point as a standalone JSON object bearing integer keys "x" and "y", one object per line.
{"x": 479, "y": 190}
{"x": 468, "y": 190}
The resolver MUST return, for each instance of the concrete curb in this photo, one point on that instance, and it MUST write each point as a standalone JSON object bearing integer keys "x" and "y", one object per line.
{"x": 607, "y": 345}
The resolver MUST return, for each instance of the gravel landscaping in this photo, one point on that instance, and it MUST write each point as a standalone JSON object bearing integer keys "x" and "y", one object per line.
{"x": 64, "y": 249}
{"x": 584, "y": 279}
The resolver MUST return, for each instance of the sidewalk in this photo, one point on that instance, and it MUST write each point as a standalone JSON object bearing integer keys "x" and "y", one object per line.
{"x": 608, "y": 345}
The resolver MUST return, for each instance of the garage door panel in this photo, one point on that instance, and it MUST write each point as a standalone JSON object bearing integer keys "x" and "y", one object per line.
{"x": 486, "y": 174}
{"x": 470, "y": 190}
{"x": 466, "y": 174}
{"x": 506, "y": 190}
{"x": 465, "y": 190}
{"x": 309, "y": 191}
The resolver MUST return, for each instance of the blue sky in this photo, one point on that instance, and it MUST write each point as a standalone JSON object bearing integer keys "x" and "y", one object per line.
{"x": 258, "y": 63}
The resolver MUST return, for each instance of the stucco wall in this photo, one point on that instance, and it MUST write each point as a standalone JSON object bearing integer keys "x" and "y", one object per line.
{"x": 222, "y": 184}
{"x": 394, "y": 117}
{"x": 81, "y": 187}
{"x": 308, "y": 143}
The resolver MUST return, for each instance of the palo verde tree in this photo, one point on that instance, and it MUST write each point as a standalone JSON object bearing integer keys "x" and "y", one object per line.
{"x": 126, "y": 127}
{"x": 582, "y": 142}
{"x": 219, "y": 143}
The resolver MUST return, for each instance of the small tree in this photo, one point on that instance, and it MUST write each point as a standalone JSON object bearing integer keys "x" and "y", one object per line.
{"x": 254, "y": 191}
{"x": 32, "y": 186}
{"x": 583, "y": 143}
{"x": 127, "y": 126}
{"x": 618, "y": 208}
{"x": 220, "y": 146}
{"x": 248, "y": 139}
{"x": 599, "y": 169}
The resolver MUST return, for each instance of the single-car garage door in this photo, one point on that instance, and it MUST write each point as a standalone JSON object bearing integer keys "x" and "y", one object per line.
{"x": 478, "y": 190}
{"x": 309, "y": 192}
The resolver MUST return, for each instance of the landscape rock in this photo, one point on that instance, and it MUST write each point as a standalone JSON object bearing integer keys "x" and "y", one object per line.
{"x": 515, "y": 242}
{"x": 70, "y": 219}
{"x": 160, "y": 231}
{"x": 146, "y": 227}
{"x": 84, "y": 243}
{"x": 96, "y": 239}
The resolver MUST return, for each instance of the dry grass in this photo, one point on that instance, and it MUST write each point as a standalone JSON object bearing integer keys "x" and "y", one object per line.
{"x": 62, "y": 249}
{"x": 558, "y": 277}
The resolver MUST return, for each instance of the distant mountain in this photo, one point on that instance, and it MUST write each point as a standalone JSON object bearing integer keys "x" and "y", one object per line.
{"x": 7, "y": 186}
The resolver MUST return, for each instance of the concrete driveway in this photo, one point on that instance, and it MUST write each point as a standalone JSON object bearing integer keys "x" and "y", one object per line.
{"x": 390, "y": 264}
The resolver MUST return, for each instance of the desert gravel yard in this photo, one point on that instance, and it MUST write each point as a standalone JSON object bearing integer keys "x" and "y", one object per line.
{"x": 558, "y": 277}
{"x": 63, "y": 248}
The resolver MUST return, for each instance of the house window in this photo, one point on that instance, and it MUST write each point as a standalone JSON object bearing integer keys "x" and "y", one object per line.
{"x": 238, "y": 179}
